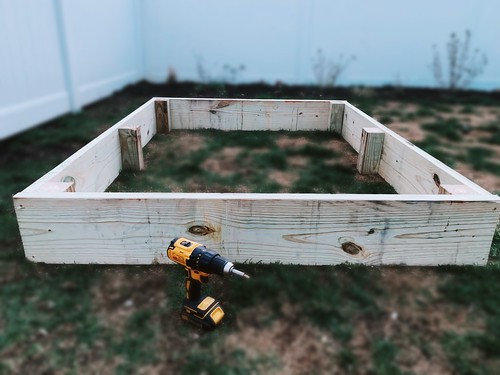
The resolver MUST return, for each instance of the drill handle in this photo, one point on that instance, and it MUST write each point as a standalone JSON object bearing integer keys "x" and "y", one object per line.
{"x": 193, "y": 289}
{"x": 193, "y": 284}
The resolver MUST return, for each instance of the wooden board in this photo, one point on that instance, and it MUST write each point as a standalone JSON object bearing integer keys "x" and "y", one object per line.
{"x": 120, "y": 228}
{"x": 59, "y": 225}
{"x": 239, "y": 114}
{"x": 336, "y": 117}
{"x": 372, "y": 142}
{"x": 403, "y": 165}
{"x": 95, "y": 166}
{"x": 131, "y": 148}
{"x": 455, "y": 189}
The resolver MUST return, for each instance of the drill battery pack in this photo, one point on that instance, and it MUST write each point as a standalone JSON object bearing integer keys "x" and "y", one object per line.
{"x": 204, "y": 312}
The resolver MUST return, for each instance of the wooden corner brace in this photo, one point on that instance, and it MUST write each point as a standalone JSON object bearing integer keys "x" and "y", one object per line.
{"x": 131, "y": 148}
{"x": 161, "y": 111}
{"x": 370, "y": 150}
{"x": 336, "y": 118}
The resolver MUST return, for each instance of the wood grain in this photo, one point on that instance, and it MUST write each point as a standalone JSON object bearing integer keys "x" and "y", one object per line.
{"x": 161, "y": 111}
{"x": 336, "y": 117}
{"x": 119, "y": 228}
{"x": 232, "y": 114}
{"x": 88, "y": 226}
{"x": 372, "y": 142}
{"x": 455, "y": 189}
{"x": 57, "y": 187}
{"x": 95, "y": 166}
{"x": 403, "y": 165}
{"x": 131, "y": 148}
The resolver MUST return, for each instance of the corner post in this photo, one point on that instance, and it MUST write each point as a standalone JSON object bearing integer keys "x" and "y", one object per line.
{"x": 131, "y": 148}
{"x": 161, "y": 110}
{"x": 370, "y": 150}
{"x": 336, "y": 117}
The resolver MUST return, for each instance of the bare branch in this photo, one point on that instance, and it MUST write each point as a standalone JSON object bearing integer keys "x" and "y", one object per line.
{"x": 463, "y": 67}
{"x": 327, "y": 71}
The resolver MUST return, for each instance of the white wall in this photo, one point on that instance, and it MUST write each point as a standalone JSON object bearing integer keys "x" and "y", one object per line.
{"x": 277, "y": 40}
{"x": 32, "y": 86}
{"x": 59, "y": 55}
{"x": 103, "y": 47}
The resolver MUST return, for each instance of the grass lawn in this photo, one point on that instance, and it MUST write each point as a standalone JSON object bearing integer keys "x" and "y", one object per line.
{"x": 77, "y": 319}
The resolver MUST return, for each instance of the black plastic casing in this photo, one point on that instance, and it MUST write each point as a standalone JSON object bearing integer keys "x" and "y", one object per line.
{"x": 206, "y": 260}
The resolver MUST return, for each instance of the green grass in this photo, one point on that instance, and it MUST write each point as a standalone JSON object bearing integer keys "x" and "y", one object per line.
{"x": 477, "y": 288}
{"x": 425, "y": 112}
{"x": 168, "y": 167}
{"x": 336, "y": 296}
{"x": 467, "y": 110}
{"x": 449, "y": 129}
{"x": 205, "y": 361}
{"x": 433, "y": 145}
{"x": 480, "y": 159}
{"x": 494, "y": 130}
{"x": 384, "y": 353}
{"x": 51, "y": 322}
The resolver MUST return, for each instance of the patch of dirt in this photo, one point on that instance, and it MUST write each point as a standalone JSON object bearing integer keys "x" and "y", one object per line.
{"x": 346, "y": 154}
{"x": 285, "y": 179}
{"x": 287, "y": 142}
{"x": 410, "y": 130}
{"x": 223, "y": 162}
{"x": 488, "y": 181}
{"x": 297, "y": 161}
{"x": 121, "y": 293}
{"x": 415, "y": 319}
{"x": 291, "y": 345}
{"x": 188, "y": 142}
{"x": 482, "y": 115}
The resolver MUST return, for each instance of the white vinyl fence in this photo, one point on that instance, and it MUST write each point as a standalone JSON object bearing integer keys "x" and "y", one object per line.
{"x": 56, "y": 56}
{"x": 59, "y": 55}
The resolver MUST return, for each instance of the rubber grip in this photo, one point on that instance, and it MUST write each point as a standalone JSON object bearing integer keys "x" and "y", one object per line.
{"x": 193, "y": 289}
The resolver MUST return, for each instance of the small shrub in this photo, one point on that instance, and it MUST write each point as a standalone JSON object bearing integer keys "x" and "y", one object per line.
{"x": 463, "y": 65}
{"x": 327, "y": 71}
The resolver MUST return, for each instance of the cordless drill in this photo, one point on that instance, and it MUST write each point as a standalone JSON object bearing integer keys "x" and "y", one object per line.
{"x": 199, "y": 262}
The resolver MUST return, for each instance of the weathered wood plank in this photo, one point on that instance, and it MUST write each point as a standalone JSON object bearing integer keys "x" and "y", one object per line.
{"x": 455, "y": 189}
{"x": 57, "y": 187}
{"x": 97, "y": 164}
{"x": 403, "y": 165}
{"x": 336, "y": 117}
{"x": 118, "y": 228}
{"x": 372, "y": 142}
{"x": 239, "y": 114}
{"x": 161, "y": 110}
{"x": 131, "y": 148}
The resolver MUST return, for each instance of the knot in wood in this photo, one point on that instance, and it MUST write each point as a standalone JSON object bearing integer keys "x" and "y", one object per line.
{"x": 200, "y": 230}
{"x": 351, "y": 248}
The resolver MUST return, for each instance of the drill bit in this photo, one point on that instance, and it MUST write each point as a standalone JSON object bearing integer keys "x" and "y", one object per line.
{"x": 239, "y": 273}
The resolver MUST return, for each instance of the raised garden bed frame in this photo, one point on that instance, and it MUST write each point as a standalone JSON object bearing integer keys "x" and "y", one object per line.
{"x": 437, "y": 217}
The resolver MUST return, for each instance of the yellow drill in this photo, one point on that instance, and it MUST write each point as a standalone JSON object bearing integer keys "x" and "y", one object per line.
{"x": 199, "y": 262}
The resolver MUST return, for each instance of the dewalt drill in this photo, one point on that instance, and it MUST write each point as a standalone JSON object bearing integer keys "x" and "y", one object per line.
{"x": 199, "y": 262}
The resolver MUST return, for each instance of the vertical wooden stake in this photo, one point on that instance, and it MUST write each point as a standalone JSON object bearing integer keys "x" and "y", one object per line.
{"x": 370, "y": 151}
{"x": 337, "y": 118}
{"x": 161, "y": 110}
{"x": 131, "y": 148}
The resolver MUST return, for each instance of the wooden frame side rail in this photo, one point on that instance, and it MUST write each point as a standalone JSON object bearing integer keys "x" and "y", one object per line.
{"x": 440, "y": 217}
